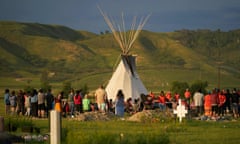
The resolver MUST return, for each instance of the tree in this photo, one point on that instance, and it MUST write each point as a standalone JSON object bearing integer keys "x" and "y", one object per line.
{"x": 67, "y": 86}
{"x": 199, "y": 85}
{"x": 84, "y": 89}
{"x": 179, "y": 87}
{"x": 45, "y": 85}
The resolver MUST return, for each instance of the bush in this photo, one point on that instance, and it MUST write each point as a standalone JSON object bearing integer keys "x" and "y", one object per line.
{"x": 179, "y": 87}
{"x": 12, "y": 123}
{"x": 199, "y": 85}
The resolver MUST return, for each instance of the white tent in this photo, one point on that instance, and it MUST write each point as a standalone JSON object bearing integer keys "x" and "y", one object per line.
{"x": 126, "y": 78}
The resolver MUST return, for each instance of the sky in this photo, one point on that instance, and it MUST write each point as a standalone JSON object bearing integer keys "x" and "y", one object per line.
{"x": 166, "y": 15}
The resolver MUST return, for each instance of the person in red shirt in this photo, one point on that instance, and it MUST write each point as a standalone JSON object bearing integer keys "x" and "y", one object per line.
{"x": 78, "y": 101}
{"x": 214, "y": 102}
{"x": 207, "y": 104}
{"x": 221, "y": 105}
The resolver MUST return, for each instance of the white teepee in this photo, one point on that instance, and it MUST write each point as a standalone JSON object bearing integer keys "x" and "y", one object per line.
{"x": 125, "y": 76}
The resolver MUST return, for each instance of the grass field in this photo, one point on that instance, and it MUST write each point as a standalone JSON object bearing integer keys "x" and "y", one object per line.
{"x": 161, "y": 132}
{"x": 165, "y": 130}
{"x": 154, "y": 80}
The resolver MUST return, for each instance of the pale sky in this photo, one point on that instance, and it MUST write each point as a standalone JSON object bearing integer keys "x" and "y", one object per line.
{"x": 166, "y": 15}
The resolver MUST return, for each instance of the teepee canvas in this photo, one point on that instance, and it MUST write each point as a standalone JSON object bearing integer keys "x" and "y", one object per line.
{"x": 125, "y": 76}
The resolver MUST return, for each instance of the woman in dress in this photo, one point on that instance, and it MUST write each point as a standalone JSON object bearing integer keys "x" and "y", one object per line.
{"x": 119, "y": 101}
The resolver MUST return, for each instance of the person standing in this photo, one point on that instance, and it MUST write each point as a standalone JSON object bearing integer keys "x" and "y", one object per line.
{"x": 101, "y": 97}
{"x": 71, "y": 102}
{"x": 198, "y": 101}
{"x": 34, "y": 103}
{"x": 187, "y": 95}
{"x": 58, "y": 102}
{"x": 7, "y": 101}
{"x": 49, "y": 100}
{"x": 214, "y": 102}
{"x": 221, "y": 105}
{"x": 207, "y": 104}
{"x": 235, "y": 103}
{"x": 20, "y": 102}
{"x": 27, "y": 103}
{"x": 86, "y": 103}
{"x": 119, "y": 101}
{"x": 41, "y": 104}
{"x": 78, "y": 101}
{"x": 13, "y": 102}
{"x": 228, "y": 101}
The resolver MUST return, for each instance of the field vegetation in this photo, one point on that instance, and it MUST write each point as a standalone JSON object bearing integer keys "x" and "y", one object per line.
{"x": 164, "y": 130}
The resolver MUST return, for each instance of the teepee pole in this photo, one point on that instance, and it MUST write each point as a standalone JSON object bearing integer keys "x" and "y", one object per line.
{"x": 124, "y": 39}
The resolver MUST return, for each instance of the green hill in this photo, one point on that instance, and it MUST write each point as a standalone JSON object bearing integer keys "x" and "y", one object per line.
{"x": 81, "y": 57}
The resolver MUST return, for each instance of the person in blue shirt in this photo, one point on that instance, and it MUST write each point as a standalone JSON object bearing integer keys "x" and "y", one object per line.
{"x": 7, "y": 101}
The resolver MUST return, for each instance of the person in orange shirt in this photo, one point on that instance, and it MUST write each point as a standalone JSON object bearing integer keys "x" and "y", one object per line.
{"x": 169, "y": 96}
{"x": 175, "y": 100}
{"x": 221, "y": 105}
{"x": 187, "y": 96}
{"x": 169, "y": 99}
{"x": 207, "y": 104}
{"x": 152, "y": 95}
{"x": 162, "y": 101}
{"x": 176, "y": 97}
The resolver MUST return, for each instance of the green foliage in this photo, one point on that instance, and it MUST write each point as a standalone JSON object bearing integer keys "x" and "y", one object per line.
{"x": 179, "y": 87}
{"x": 12, "y": 123}
{"x": 214, "y": 44}
{"x": 58, "y": 32}
{"x": 34, "y": 60}
{"x": 28, "y": 88}
{"x": 67, "y": 86}
{"x": 85, "y": 89}
{"x": 45, "y": 85}
{"x": 199, "y": 85}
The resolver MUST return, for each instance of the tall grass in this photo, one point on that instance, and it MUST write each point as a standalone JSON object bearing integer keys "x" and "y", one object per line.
{"x": 190, "y": 131}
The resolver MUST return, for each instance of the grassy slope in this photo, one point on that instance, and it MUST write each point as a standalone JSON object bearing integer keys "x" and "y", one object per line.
{"x": 87, "y": 58}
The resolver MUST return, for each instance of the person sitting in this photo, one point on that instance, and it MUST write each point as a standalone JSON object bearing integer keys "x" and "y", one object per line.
{"x": 148, "y": 104}
{"x": 169, "y": 100}
{"x": 136, "y": 105}
{"x": 111, "y": 106}
{"x": 129, "y": 106}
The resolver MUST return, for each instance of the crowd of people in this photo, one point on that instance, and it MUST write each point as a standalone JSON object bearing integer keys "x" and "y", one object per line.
{"x": 37, "y": 103}
{"x": 214, "y": 103}
{"x": 31, "y": 103}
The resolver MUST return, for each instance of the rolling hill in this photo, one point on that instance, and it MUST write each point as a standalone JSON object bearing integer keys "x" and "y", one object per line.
{"x": 81, "y": 57}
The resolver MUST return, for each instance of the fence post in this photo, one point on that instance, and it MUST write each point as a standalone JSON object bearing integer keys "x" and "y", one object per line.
{"x": 55, "y": 127}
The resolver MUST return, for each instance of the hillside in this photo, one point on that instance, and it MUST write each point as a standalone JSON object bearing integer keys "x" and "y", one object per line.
{"x": 29, "y": 49}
